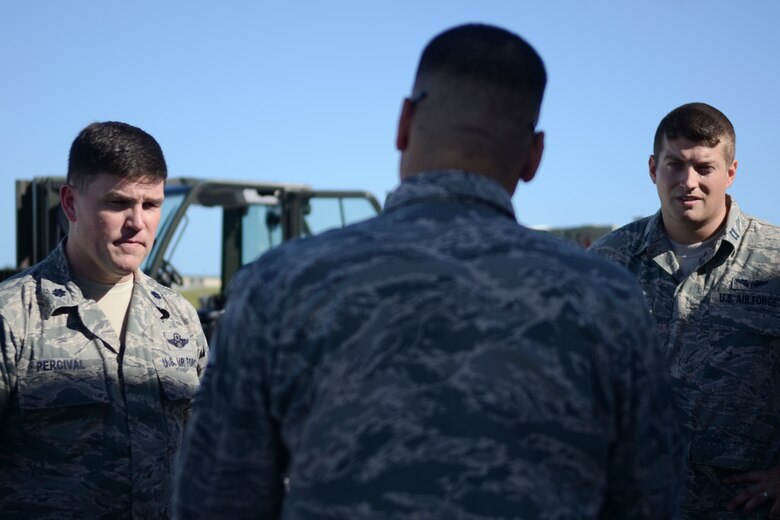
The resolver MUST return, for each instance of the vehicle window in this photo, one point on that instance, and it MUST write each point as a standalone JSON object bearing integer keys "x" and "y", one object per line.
{"x": 195, "y": 253}
{"x": 321, "y": 214}
{"x": 173, "y": 199}
{"x": 332, "y": 212}
{"x": 357, "y": 209}
{"x": 261, "y": 229}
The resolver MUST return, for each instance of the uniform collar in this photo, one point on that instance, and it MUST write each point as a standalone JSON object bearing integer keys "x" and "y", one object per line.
{"x": 655, "y": 241}
{"x": 59, "y": 290}
{"x": 736, "y": 222}
{"x": 151, "y": 292}
{"x": 451, "y": 185}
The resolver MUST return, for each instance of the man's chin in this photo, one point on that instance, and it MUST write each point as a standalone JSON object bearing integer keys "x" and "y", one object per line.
{"x": 126, "y": 266}
{"x": 691, "y": 216}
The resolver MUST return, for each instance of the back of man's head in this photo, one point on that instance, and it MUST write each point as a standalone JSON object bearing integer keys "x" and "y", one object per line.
{"x": 697, "y": 122}
{"x": 480, "y": 89}
{"x": 115, "y": 148}
{"x": 484, "y": 58}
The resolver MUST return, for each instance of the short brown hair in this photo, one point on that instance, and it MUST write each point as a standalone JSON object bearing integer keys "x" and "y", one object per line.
{"x": 698, "y": 122}
{"x": 115, "y": 148}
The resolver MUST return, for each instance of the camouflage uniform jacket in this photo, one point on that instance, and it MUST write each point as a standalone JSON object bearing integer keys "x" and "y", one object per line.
{"x": 720, "y": 331}
{"x": 86, "y": 430}
{"x": 437, "y": 361}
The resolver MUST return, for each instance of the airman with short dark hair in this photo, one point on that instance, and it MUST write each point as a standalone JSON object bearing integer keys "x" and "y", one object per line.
{"x": 711, "y": 276}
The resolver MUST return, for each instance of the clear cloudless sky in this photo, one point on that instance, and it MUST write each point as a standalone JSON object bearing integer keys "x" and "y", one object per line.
{"x": 309, "y": 91}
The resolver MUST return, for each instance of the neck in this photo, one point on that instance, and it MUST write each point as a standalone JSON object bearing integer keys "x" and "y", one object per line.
{"x": 413, "y": 164}
{"x": 81, "y": 267}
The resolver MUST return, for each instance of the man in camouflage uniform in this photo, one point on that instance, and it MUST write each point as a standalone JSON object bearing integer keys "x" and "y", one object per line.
{"x": 99, "y": 362}
{"x": 711, "y": 276}
{"x": 438, "y": 361}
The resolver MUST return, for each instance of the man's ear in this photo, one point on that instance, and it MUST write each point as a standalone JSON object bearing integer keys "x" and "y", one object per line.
{"x": 67, "y": 200}
{"x": 732, "y": 172}
{"x": 535, "y": 151}
{"x": 651, "y": 166}
{"x": 404, "y": 125}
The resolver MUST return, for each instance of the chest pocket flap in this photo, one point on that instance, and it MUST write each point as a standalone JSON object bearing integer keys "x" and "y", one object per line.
{"x": 178, "y": 373}
{"x": 58, "y": 383}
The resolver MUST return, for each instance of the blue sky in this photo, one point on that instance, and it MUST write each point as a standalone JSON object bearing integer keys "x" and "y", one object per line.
{"x": 309, "y": 92}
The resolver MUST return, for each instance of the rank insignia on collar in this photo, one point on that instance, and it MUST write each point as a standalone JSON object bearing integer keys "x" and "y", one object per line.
{"x": 59, "y": 292}
{"x": 156, "y": 295}
{"x": 176, "y": 340}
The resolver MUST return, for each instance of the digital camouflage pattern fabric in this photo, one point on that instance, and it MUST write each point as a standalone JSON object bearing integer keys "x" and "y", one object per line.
{"x": 86, "y": 430}
{"x": 720, "y": 333}
{"x": 438, "y": 361}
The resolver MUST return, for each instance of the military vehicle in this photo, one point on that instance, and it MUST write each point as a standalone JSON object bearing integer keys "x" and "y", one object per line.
{"x": 255, "y": 216}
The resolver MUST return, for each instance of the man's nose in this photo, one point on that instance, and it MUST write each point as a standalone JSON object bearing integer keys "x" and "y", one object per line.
{"x": 135, "y": 218}
{"x": 689, "y": 178}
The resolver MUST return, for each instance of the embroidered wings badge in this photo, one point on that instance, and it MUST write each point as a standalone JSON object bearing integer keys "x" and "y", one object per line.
{"x": 177, "y": 340}
{"x": 751, "y": 284}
